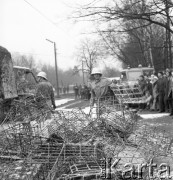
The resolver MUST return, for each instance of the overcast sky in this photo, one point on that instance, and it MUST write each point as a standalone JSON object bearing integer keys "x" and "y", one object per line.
{"x": 26, "y": 24}
{"x": 24, "y": 29}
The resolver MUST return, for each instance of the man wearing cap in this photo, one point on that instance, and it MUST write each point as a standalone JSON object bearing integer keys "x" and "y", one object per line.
{"x": 45, "y": 90}
{"x": 99, "y": 86}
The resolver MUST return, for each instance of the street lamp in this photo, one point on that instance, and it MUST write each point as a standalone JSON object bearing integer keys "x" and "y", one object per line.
{"x": 56, "y": 67}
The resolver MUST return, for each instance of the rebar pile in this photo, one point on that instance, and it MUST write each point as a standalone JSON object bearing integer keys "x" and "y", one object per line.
{"x": 41, "y": 145}
{"x": 20, "y": 134}
{"x": 76, "y": 126}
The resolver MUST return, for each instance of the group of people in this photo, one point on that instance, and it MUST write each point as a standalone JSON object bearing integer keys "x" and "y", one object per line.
{"x": 158, "y": 91}
{"x": 64, "y": 90}
{"x": 97, "y": 88}
{"x": 82, "y": 92}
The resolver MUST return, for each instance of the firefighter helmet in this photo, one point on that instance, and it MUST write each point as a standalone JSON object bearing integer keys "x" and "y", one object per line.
{"x": 96, "y": 71}
{"x": 42, "y": 74}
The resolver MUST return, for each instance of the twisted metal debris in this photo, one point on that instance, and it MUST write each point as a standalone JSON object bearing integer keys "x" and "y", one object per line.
{"x": 39, "y": 144}
{"x": 126, "y": 94}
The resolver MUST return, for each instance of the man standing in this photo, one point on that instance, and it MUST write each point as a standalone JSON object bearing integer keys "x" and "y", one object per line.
{"x": 76, "y": 91}
{"x": 99, "y": 87}
{"x": 161, "y": 91}
{"x": 167, "y": 90}
{"x": 45, "y": 90}
{"x": 170, "y": 93}
{"x": 155, "y": 94}
{"x": 142, "y": 84}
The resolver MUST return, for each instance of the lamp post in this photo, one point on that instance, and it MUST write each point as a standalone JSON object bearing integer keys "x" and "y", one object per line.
{"x": 56, "y": 67}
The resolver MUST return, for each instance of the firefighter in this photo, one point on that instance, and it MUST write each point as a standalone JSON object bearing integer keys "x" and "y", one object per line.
{"x": 45, "y": 90}
{"x": 99, "y": 88}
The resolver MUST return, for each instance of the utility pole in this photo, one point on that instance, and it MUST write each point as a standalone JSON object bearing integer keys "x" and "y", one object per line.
{"x": 56, "y": 67}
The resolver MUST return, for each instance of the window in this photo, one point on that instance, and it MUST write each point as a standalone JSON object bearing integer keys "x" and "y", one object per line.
{"x": 31, "y": 83}
{"x": 134, "y": 75}
{"x": 148, "y": 72}
{"x": 25, "y": 81}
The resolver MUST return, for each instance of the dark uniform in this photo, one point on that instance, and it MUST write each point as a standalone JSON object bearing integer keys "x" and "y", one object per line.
{"x": 170, "y": 94}
{"x": 166, "y": 98}
{"x": 76, "y": 91}
{"x": 161, "y": 91}
{"x": 45, "y": 91}
{"x": 143, "y": 86}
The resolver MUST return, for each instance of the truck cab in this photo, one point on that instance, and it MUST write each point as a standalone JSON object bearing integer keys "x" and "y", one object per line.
{"x": 131, "y": 75}
{"x": 25, "y": 81}
{"x": 15, "y": 81}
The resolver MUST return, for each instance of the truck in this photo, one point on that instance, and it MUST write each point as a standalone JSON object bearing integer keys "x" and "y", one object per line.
{"x": 15, "y": 82}
{"x": 127, "y": 90}
{"x": 131, "y": 75}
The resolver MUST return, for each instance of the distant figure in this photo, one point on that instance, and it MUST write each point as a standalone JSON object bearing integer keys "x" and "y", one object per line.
{"x": 64, "y": 90}
{"x": 161, "y": 90}
{"x": 67, "y": 89}
{"x": 142, "y": 84}
{"x": 45, "y": 90}
{"x": 167, "y": 92}
{"x": 60, "y": 90}
{"x": 87, "y": 92}
{"x": 155, "y": 93}
{"x": 76, "y": 91}
{"x": 82, "y": 92}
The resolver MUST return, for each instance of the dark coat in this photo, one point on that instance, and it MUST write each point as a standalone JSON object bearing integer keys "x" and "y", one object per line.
{"x": 161, "y": 85}
{"x": 167, "y": 86}
{"x": 143, "y": 86}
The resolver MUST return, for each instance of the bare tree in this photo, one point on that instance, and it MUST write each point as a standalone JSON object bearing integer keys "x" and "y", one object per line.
{"x": 89, "y": 54}
{"x": 111, "y": 72}
{"x": 137, "y": 46}
{"x": 23, "y": 60}
{"x": 151, "y": 12}
{"x": 138, "y": 23}
{"x": 65, "y": 77}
